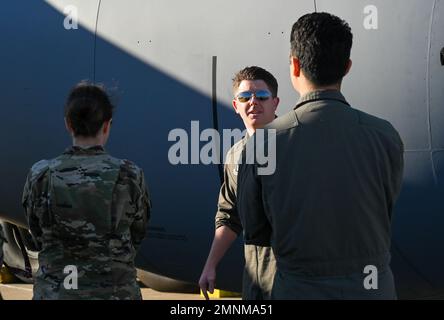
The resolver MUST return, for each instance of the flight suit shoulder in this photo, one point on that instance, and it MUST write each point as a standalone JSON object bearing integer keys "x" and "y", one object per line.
{"x": 287, "y": 121}
{"x": 378, "y": 124}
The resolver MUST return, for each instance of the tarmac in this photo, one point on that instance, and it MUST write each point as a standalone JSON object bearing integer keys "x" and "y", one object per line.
{"x": 18, "y": 290}
{"x": 23, "y": 291}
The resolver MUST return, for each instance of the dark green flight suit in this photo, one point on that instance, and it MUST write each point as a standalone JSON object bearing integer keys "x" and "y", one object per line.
{"x": 328, "y": 206}
{"x": 260, "y": 264}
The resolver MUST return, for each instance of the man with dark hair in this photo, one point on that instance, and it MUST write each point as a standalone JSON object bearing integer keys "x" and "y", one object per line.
{"x": 328, "y": 206}
{"x": 255, "y": 100}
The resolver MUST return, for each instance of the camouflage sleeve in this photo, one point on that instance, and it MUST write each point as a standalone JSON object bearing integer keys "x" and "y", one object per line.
{"x": 2, "y": 236}
{"x": 34, "y": 203}
{"x": 227, "y": 211}
{"x": 143, "y": 211}
{"x": 2, "y": 240}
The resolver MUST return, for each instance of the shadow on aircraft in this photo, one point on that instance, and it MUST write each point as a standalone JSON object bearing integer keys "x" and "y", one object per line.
{"x": 41, "y": 61}
{"x": 41, "y": 64}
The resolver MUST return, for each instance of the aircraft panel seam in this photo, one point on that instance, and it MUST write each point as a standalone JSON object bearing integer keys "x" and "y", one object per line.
{"x": 95, "y": 41}
{"x": 428, "y": 90}
{"x": 214, "y": 113}
{"x": 423, "y": 150}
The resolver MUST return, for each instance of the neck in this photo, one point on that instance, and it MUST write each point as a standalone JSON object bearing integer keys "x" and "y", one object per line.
{"x": 305, "y": 86}
{"x": 87, "y": 142}
{"x": 307, "y": 90}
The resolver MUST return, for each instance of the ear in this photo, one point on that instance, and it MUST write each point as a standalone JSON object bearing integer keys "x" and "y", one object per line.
{"x": 68, "y": 126}
{"x": 295, "y": 67}
{"x": 348, "y": 67}
{"x": 234, "y": 103}
{"x": 276, "y": 102}
{"x": 107, "y": 126}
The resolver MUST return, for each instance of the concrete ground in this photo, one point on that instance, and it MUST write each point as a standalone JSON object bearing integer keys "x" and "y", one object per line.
{"x": 12, "y": 288}
{"x": 22, "y": 291}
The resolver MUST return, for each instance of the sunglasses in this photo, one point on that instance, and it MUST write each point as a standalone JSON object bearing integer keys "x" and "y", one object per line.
{"x": 261, "y": 95}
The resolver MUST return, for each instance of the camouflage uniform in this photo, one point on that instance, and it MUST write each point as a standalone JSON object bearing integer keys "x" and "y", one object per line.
{"x": 89, "y": 210}
{"x": 260, "y": 264}
{"x": 2, "y": 239}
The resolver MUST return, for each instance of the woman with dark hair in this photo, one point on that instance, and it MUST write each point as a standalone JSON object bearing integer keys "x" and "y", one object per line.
{"x": 86, "y": 209}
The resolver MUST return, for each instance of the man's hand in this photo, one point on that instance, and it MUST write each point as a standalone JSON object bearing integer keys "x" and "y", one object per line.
{"x": 207, "y": 281}
{"x": 223, "y": 238}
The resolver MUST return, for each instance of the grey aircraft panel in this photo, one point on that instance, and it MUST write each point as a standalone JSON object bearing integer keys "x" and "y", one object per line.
{"x": 438, "y": 160}
{"x": 417, "y": 233}
{"x": 152, "y": 103}
{"x": 163, "y": 72}
{"x": 238, "y": 33}
{"x": 399, "y": 46}
{"x": 417, "y": 169}
{"x": 259, "y": 34}
{"x": 436, "y": 69}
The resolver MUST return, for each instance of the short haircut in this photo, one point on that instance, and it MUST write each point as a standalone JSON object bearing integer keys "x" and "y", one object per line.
{"x": 87, "y": 107}
{"x": 322, "y": 43}
{"x": 256, "y": 73}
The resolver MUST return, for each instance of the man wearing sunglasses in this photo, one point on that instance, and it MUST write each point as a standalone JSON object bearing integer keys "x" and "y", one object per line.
{"x": 255, "y": 101}
{"x": 329, "y": 203}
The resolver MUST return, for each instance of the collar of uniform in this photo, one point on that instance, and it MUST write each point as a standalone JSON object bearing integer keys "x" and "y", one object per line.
{"x": 321, "y": 95}
{"x": 92, "y": 151}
